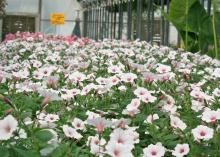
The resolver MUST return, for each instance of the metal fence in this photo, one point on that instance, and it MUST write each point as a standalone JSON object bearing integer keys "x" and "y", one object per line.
{"x": 131, "y": 19}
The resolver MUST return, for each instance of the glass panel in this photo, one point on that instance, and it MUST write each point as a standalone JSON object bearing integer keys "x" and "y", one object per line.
{"x": 23, "y": 6}
{"x": 12, "y": 24}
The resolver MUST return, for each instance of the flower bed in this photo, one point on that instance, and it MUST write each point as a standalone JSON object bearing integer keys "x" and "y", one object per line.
{"x": 75, "y": 97}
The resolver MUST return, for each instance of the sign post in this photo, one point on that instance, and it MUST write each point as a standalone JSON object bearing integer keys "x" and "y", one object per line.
{"x": 57, "y": 19}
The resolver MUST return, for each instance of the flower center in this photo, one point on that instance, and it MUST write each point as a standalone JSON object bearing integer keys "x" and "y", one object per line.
{"x": 96, "y": 142}
{"x": 7, "y": 129}
{"x": 153, "y": 152}
{"x": 141, "y": 93}
{"x": 78, "y": 125}
{"x": 182, "y": 150}
{"x": 202, "y": 133}
{"x": 213, "y": 119}
{"x": 120, "y": 141}
{"x": 116, "y": 152}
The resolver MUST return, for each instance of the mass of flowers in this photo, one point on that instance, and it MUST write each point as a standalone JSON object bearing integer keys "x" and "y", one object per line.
{"x": 75, "y": 97}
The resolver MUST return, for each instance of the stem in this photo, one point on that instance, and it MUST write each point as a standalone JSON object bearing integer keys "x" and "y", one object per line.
{"x": 186, "y": 34}
{"x": 214, "y": 31}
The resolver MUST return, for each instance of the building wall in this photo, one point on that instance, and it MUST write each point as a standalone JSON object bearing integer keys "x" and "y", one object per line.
{"x": 31, "y": 8}
{"x": 68, "y": 7}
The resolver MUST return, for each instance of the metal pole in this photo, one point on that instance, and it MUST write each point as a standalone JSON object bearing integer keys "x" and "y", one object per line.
{"x": 129, "y": 19}
{"x": 120, "y": 21}
{"x": 112, "y": 23}
{"x": 209, "y": 6}
{"x": 93, "y": 23}
{"x": 162, "y": 23}
{"x": 104, "y": 22}
{"x": 96, "y": 26}
{"x": 167, "y": 26}
{"x": 100, "y": 22}
{"x": 139, "y": 18}
{"x": 90, "y": 23}
{"x": 115, "y": 21}
{"x": 85, "y": 23}
{"x": 149, "y": 21}
{"x": 152, "y": 20}
{"x": 107, "y": 21}
{"x": 39, "y": 12}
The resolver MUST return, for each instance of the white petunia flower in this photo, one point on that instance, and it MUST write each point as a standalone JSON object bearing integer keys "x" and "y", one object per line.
{"x": 154, "y": 150}
{"x": 176, "y": 122}
{"x": 202, "y": 132}
{"x": 117, "y": 150}
{"x": 181, "y": 150}
{"x": 7, "y": 126}
{"x": 71, "y": 132}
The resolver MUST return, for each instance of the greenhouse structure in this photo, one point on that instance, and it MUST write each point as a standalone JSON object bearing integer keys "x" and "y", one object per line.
{"x": 109, "y": 78}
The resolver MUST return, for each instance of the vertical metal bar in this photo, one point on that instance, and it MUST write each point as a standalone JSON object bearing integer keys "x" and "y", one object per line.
{"x": 107, "y": 22}
{"x": 120, "y": 21}
{"x": 103, "y": 30}
{"x": 88, "y": 19}
{"x": 112, "y": 17}
{"x": 167, "y": 25}
{"x": 115, "y": 21}
{"x": 149, "y": 21}
{"x": 103, "y": 22}
{"x": 93, "y": 22}
{"x": 96, "y": 27}
{"x": 84, "y": 23}
{"x": 100, "y": 22}
{"x": 90, "y": 23}
{"x": 152, "y": 20}
{"x": 209, "y": 7}
{"x": 40, "y": 13}
{"x": 129, "y": 19}
{"x": 162, "y": 23}
{"x": 84, "y": 20}
{"x": 139, "y": 18}
{"x": 96, "y": 23}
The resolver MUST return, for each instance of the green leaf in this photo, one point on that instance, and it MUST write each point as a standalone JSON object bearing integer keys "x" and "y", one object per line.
{"x": 193, "y": 23}
{"x": 4, "y": 152}
{"x": 43, "y": 135}
{"x": 26, "y": 153}
{"x": 60, "y": 151}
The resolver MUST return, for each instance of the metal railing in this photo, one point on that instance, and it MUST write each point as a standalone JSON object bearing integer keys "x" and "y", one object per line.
{"x": 131, "y": 19}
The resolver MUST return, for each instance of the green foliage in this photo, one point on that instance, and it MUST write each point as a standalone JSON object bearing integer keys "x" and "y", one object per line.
{"x": 194, "y": 25}
{"x": 4, "y": 152}
{"x": 25, "y": 153}
{"x": 43, "y": 135}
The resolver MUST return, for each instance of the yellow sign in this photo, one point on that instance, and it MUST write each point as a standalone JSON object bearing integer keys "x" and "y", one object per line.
{"x": 57, "y": 19}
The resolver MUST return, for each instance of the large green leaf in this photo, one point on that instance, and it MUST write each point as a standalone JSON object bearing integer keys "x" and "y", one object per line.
{"x": 43, "y": 135}
{"x": 60, "y": 151}
{"x": 193, "y": 23}
{"x": 178, "y": 12}
{"x": 4, "y": 152}
{"x": 26, "y": 153}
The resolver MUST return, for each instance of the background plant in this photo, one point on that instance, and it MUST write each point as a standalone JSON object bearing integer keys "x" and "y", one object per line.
{"x": 197, "y": 29}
